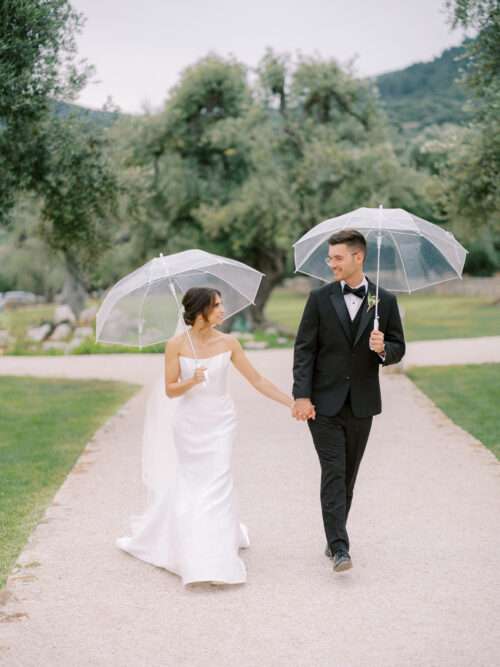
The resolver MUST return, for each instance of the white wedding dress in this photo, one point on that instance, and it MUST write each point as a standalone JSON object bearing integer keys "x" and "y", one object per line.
{"x": 191, "y": 526}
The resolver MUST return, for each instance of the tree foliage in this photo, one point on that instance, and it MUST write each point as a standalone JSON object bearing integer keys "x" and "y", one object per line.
{"x": 60, "y": 159}
{"x": 471, "y": 195}
{"x": 37, "y": 66}
{"x": 244, "y": 168}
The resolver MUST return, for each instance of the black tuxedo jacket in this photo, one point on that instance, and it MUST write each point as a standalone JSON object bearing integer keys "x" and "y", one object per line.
{"x": 328, "y": 363}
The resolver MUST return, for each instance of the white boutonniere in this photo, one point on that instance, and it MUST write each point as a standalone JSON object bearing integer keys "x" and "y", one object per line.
{"x": 372, "y": 301}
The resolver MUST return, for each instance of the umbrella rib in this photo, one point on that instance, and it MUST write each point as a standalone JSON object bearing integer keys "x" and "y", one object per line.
{"x": 323, "y": 237}
{"x": 312, "y": 275}
{"x": 142, "y": 305}
{"x": 233, "y": 287}
{"x": 314, "y": 248}
{"x": 427, "y": 238}
{"x": 402, "y": 262}
{"x": 437, "y": 282}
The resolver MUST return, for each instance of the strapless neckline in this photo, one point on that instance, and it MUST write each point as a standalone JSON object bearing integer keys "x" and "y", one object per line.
{"x": 183, "y": 356}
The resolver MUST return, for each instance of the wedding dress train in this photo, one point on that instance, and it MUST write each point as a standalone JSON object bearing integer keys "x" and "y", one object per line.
{"x": 192, "y": 527}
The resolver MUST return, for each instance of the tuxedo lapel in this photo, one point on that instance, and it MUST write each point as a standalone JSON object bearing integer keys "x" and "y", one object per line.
{"x": 367, "y": 316}
{"x": 338, "y": 302}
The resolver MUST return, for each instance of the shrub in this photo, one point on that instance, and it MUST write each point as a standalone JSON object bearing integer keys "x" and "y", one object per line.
{"x": 480, "y": 262}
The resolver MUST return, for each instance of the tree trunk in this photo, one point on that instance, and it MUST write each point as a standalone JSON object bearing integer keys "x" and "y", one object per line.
{"x": 273, "y": 266}
{"x": 255, "y": 314}
{"x": 74, "y": 293}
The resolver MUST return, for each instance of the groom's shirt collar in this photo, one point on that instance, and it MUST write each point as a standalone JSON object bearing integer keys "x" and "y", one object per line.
{"x": 363, "y": 282}
{"x": 352, "y": 301}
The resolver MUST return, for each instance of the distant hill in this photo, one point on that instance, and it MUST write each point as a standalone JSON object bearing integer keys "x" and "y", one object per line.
{"x": 100, "y": 118}
{"x": 425, "y": 94}
{"x": 420, "y": 95}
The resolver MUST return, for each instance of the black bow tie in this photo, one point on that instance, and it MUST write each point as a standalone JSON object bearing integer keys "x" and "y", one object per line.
{"x": 357, "y": 291}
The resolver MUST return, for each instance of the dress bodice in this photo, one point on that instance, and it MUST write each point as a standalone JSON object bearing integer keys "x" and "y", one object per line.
{"x": 216, "y": 374}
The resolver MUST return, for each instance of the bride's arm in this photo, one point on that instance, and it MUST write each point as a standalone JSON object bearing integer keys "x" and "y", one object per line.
{"x": 173, "y": 387}
{"x": 262, "y": 384}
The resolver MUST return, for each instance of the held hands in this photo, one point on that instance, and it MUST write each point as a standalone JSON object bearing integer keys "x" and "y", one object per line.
{"x": 377, "y": 342}
{"x": 303, "y": 409}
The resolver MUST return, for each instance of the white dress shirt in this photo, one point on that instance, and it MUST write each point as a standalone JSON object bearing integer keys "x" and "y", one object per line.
{"x": 353, "y": 302}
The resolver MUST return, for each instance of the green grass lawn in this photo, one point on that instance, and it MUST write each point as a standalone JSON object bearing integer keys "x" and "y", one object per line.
{"x": 433, "y": 317}
{"x": 45, "y": 424}
{"x": 469, "y": 395}
{"x": 17, "y": 321}
{"x": 426, "y": 317}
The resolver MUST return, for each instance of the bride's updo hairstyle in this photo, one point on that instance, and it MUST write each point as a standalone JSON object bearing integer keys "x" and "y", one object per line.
{"x": 198, "y": 301}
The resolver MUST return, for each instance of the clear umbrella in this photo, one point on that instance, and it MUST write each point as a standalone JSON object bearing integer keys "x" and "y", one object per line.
{"x": 404, "y": 252}
{"x": 143, "y": 307}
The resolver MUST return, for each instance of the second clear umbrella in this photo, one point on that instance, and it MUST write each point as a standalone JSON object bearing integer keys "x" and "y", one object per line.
{"x": 143, "y": 307}
{"x": 404, "y": 252}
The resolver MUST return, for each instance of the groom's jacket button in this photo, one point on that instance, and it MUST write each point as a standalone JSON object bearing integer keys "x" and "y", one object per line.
{"x": 347, "y": 377}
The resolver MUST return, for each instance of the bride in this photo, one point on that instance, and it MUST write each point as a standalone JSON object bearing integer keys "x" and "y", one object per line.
{"x": 192, "y": 527}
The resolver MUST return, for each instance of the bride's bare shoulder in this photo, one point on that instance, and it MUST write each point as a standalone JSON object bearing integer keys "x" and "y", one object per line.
{"x": 230, "y": 341}
{"x": 174, "y": 344}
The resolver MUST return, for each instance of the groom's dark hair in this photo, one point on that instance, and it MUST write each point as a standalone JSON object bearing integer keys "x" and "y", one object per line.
{"x": 351, "y": 237}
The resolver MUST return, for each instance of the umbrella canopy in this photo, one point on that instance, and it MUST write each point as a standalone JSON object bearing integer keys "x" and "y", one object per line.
{"x": 414, "y": 253}
{"x": 143, "y": 307}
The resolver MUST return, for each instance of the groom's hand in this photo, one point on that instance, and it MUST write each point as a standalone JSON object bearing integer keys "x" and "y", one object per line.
{"x": 303, "y": 409}
{"x": 377, "y": 342}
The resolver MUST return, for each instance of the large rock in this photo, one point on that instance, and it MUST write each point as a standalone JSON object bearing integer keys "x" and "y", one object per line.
{"x": 83, "y": 332}
{"x": 73, "y": 344}
{"x": 256, "y": 345}
{"x": 54, "y": 345}
{"x": 64, "y": 314}
{"x": 242, "y": 335}
{"x": 88, "y": 315}
{"x": 37, "y": 334}
{"x": 61, "y": 332}
{"x": 17, "y": 298}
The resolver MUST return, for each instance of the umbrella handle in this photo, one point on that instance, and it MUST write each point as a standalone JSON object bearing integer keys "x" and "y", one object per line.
{"x": 379, "y": 245}
{"x": 375, "y": 326}
{"x": 186, "y": 330}
{"x": 197, "y": 362}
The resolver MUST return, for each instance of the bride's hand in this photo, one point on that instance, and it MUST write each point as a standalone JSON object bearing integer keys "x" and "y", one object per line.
{"x": 199, "y": 375}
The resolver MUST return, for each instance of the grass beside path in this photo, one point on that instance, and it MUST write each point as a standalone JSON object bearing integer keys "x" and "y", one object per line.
{"x": 434, "y": 317}
{"x": 427, "y": 316}
{"x": 469, "y": 395}
{"x": 45, "y": 424}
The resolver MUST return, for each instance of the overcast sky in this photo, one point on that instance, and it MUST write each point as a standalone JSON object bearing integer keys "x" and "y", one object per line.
{"x": 140, "y": 47}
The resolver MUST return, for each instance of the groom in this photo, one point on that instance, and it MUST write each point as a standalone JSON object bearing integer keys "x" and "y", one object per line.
{"x": 336, "y": 385}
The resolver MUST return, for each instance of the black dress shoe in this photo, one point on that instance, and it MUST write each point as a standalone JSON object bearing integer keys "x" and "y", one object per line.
{"x": 341, "y": 561}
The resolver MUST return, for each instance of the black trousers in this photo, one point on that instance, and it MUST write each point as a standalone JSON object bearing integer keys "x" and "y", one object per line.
{"x": 340, "y": 442}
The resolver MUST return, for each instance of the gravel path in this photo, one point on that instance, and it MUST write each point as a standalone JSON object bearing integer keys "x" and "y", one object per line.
{"x": 141, "y": 368}
{"x": 424, "y": 590}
